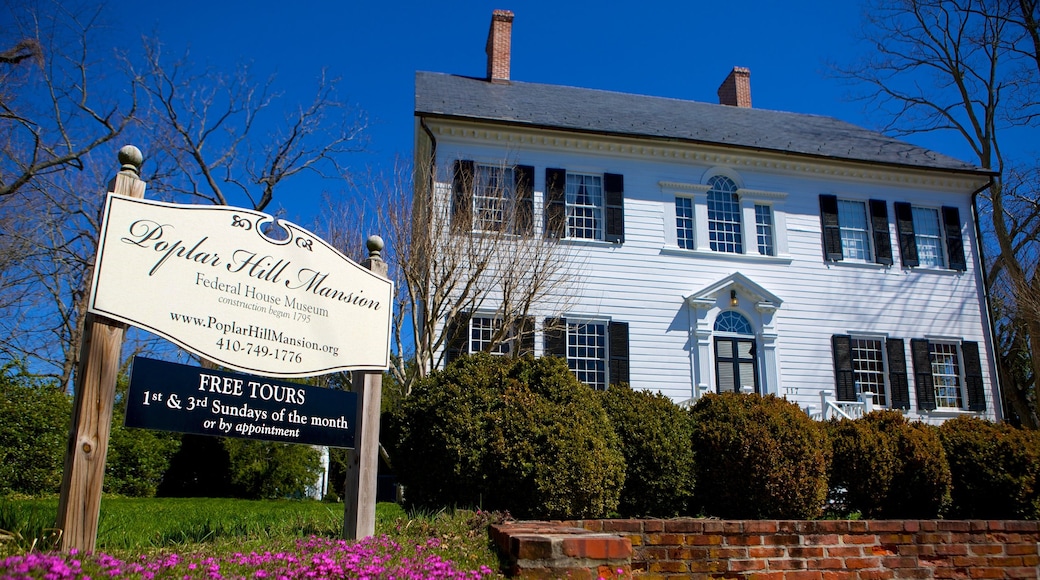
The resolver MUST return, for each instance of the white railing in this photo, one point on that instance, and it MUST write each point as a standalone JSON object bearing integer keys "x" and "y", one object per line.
{"x": 831, "y": 407}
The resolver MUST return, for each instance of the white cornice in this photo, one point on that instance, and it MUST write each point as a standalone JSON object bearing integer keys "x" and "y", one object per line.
{"x": 687, "y": 187}
{"x": 509, "y": 136}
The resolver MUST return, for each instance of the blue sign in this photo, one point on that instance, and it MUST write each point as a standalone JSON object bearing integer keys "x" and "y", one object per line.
{"x": 174, "y": 397}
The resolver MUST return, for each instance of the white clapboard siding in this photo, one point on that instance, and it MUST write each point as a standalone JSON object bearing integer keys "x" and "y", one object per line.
{"x": 644, "y": 280}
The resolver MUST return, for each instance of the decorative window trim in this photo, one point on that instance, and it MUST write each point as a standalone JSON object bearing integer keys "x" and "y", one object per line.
{"x": 557, "y": 221}
{"x": 458, "y": 335}
{"x": 878, "y": 235}
{"x": 971, "y": 384}
{"x": 488, "y": 323}
{"x": 893, "y": 351}
{"x": 518, "y": 219}
{"x": 557, "y": 332}
{"x": 697, "y": 193}
{"x": 951, "y": 235}
{"x": 673, "y": 251}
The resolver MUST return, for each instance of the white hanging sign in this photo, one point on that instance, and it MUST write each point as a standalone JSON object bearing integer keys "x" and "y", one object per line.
{"x": 209, "y": 279}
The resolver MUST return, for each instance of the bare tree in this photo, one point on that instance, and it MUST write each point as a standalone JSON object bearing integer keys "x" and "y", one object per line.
{"x": 208, "y": 145}
{"x": 495, "y": 264}
{"x": 210, "y": 136}
{"x": 970, "y": 67}
{"x": 53, "y": 107}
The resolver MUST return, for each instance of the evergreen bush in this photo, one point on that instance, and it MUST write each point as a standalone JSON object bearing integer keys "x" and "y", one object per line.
{"x": 655, "y": 436}
{"x": 34, "y": 426}
{"x": 995, "y": 469}
{"x": 758, "y": 457}
{"x": 499, "y": 433}
{"x": 884, "y": 466}
{"x": 863, "y": 465}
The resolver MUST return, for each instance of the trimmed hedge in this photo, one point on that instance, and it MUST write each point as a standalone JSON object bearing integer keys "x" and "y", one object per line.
{"x": 887, "y": 467}
{"x": 516, "y": 434}
{"x": 863, "y": 463}
{"x": 758, "y": 458}
{"x": 995, "y": 469}
{"x": 655, "y": 435}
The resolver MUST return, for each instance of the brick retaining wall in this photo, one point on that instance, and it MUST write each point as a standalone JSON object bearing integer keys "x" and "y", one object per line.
{"x": 772, "y": 550}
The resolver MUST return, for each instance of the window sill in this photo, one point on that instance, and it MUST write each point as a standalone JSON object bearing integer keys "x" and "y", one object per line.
{"x": 933, "y": 270}
{"x": 951, "y": 412}
{"x": 672, "y": 251}
{"x": 587, "y": 242}
{"x": 855, "y": 264}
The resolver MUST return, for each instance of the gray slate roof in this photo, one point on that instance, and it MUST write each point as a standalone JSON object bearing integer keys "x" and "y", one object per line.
{"x": 612, "y": 113}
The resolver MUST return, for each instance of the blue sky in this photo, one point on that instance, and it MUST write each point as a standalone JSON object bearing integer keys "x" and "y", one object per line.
{"x": 677, "y": 49}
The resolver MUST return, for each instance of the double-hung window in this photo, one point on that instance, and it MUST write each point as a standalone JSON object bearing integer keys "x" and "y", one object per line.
{"x": 855, "y": 230}
{"x": 489, "y": 198}
{"x": 930, "y": 237}
{"x": 871, "y": 364}
{"x": 724, "y": 225}
{"x": 470, "y": 333}
{"x": 684, "y": 223}
{"x": 595, "y": 350}
{"x": 485, "y": 335}
{"x": 721, "y": 218}
{"x": 587, "y": 352}
{"x": 493, "y": 196}
{"x": 584, "y": 206}
{"x": 948, "y": 374}
{"x": 868, "y": 365}
{"x": 764, "y": 229}
{"x": 855, "y": 238}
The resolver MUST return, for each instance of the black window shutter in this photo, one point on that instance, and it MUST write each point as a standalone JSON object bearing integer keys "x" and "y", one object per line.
{"x": 905, "y": 229}
{"x": 525, "y": 332}
{"x": 954, "y": 241}
{"x": 882, "y": 237}
{"x": 923, "y": 381}
{"x": 973, "y": 376}
{"x": 524, "y": 176}
{"x": 462, "y": 196}
{"x": 617, "y": 335}
{"x": 898, "y": 382}
{"x": 555, "y": 203}
{"x": 556, "y": 337}
{"x": 844, "y": 376}
{"x": 831, "y": 229}
{"x": 456, "y": 337}
{"x": 614, "y": 194}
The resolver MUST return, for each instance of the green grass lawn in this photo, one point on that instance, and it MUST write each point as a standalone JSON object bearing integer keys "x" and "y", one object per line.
{"x": 133, "y": 526}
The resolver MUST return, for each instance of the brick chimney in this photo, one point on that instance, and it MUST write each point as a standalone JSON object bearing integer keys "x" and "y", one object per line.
{"x": 498, "y": 46}
{"x": 735, "y": 91}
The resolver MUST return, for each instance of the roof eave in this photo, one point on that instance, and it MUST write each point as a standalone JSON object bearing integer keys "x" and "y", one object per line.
{"x": 981, "y": 172}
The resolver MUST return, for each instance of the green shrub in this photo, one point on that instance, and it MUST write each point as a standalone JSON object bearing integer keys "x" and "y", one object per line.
{"x": 863, "y": 464}
{"x": 887, "y": 467}
{"x": 758, "y": 457}
{"x": 34, "y": 427}
{"x": 516, "y": 434}
{"x": 137, "y": 459}
{"x": 271, "y": 470}
{"x": 995, "y": 469}
{"x": 655, "y": 435}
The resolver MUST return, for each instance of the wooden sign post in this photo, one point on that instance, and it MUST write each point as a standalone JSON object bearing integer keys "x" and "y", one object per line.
{"x": 80, "y": 503}
{"x": 277, "y": 307}
{"x": 359, "y": 512}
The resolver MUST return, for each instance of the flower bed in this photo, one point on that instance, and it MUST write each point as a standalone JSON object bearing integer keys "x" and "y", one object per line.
{"x": 379, "y": 557}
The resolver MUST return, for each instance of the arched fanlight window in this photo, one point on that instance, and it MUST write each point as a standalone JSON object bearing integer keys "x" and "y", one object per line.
{"x": 735, "y": 322}
{"x": 724, "y": 224}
